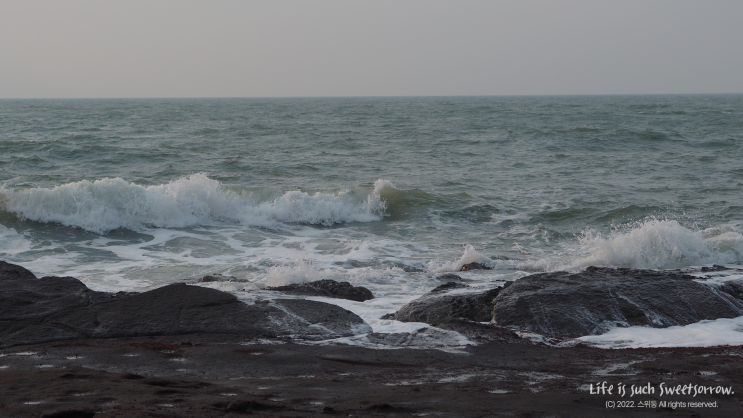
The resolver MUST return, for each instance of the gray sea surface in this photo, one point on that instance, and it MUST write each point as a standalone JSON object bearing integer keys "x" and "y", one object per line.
{"x": 383, "y": 192}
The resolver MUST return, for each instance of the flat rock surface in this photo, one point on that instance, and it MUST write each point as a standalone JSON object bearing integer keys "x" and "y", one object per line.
{"x": 157, "y": 377}
{"x": 596, "y": 300}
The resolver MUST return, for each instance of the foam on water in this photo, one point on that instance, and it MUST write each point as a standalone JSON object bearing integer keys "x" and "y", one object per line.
{"x": 302, "y": 272}
{"x": 111, "y": 203}
{"x": 651, "y": 244}
{"x": 722, "y": 331}
{"x": 659, "y": 244}
{"x": 515, "y": 177}
{"x": 470, "y": 255}
{"x": 12, "y": 243}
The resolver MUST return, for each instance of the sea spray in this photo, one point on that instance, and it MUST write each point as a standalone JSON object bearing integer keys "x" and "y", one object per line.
{"x": 111, "y": 203}
{"x": 658, "y": 244}
{"x": 302, "y": 272}
{"x": 470, "y": 255}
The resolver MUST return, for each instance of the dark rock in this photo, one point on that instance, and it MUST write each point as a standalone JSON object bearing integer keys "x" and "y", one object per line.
{"x": 62, "y": 308}
{"x": 250, "y": 406}
{"x": 440, "y": 306}
{"x": 715, "y": 267}
{"x": 499, "y": 257}
{"x": 475, "y": 266}
{"x": 388, "y": 316}
{"x": 596, "y": 300}
{"x": 385, "y": 407}
{"x": 478, "y": 332}
{"x": 12, "y": 271}
{"x": 449, "y": 286}
{"x": 72, "y": 413}
{"x": 34, "y": 299}
{"x": 449, "y": 277}
{"x": 327, "y": 288}
{"x": 319, "y": 319}
{"x": 220, "y": 278}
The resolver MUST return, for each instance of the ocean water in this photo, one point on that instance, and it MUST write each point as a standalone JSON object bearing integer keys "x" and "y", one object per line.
{"x": 382, "y": 192}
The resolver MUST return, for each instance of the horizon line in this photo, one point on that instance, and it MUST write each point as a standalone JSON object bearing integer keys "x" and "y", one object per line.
{"x": 367, "y": 96}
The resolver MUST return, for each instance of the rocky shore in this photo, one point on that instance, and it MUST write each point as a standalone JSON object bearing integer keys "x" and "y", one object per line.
{"x": 191, "y": 351}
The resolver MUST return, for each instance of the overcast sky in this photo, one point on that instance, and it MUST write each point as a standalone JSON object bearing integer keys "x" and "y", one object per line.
{"x": 186, "y": 48}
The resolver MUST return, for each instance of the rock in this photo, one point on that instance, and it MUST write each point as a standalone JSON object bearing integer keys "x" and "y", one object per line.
{"x": 62, "y": 308}
{"x": 449, "y": 277}
{"x": 12, "y": 271}
{"x": 475, "y": 266}
{"x": 715, "y": 267}
{"x": 592, "y": 302}
{"x": 499, "y": 257}
{"x": 220, "y": 278}
{"x": 327, "y": 288}
{"x": 449, "y": 286}
{"x": 440, "y": 305}
{"x": 478, "y": 332}
{"x": 320, "y": 320}
{"x": 24, "y": 297}
{"x": 250, "y": 406}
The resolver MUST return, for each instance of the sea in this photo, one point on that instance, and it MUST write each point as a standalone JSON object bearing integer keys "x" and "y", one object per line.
{"x": 383, "y": 192}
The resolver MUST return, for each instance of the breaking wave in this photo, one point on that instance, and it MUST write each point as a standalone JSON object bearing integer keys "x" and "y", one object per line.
{"x": 111, "y": 203}
{"x": 660, "y": 245}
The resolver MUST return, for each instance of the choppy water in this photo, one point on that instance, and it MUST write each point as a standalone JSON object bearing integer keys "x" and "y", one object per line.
{"x": 384, "y": 192}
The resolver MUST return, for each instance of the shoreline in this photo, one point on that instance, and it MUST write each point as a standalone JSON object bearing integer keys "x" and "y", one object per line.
{"x": 190, "y": 351}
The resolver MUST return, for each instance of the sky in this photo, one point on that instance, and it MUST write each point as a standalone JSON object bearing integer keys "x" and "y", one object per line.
{"x": 279, "y": 48}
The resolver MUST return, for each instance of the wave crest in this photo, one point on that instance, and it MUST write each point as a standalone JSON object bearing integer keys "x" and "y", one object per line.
{"x": 107, "y": 204}
{"x": 660, "y": 244}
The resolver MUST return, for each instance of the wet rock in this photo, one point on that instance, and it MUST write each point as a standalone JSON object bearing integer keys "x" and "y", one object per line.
{"x": 449, "y": 277}
{"x": 250, "y": 406}
{"x": 327, "y": 288}
{"x": 499, "y": 257}
{"x": 220, "y": 278}
{"x": 596, "y": 300}
{"x": 62, "y": 308}
{"x": 319, "y": 320}
{"x": 480, "y": 333}
{"x": 441, "y": 305}
{"x": 23, "y": 297}
{"x": 12, "y": 271}
{"x": 70, "y": 413}
{"x": 449, "y": 286}
{"x": 715, "y": 267}
{"x": 475, "y": 266}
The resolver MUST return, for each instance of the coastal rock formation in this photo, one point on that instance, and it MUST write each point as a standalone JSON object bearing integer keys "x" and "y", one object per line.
{"x": 448, "y": 302}
{"x": 327, "y": 288}
{"x": 449, "y": 277}
{"x": 475, "y": 266}
{"x": 220, "y": 278}
{"x": 596, "y": 300}
{"x": 60, "y": 308}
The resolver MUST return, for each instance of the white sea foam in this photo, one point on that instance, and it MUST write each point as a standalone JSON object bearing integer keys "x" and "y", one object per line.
{"x": 108, "y": 204}
{"x": 659, "y": 244}
{"x": 701, "y": 334}
{"x": 11, "y": 242}
{"x": 470, "y": 255}
{"x": 302, "y": 272}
